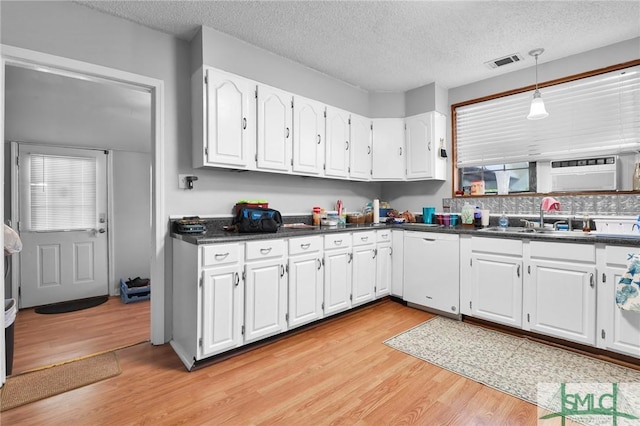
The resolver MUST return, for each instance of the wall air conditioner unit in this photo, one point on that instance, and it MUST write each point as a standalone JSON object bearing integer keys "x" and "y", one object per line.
{"x": 590, "y": 174}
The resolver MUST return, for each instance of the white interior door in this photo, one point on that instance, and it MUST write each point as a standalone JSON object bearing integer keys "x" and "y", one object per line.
{"x": 63, "y": 224}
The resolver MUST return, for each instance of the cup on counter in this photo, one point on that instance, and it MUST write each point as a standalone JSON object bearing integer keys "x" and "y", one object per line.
{"x": 454, "y": 219}
{"x": 446, "y": 219}
{"x": 485, "y": 218}
{"x": 428, "y": 214}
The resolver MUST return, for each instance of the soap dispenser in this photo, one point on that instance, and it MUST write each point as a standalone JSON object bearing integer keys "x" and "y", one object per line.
{"x": 503, "y": 222}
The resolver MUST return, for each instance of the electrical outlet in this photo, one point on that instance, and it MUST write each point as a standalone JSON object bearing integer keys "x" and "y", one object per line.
{"x": 182, "y": 181}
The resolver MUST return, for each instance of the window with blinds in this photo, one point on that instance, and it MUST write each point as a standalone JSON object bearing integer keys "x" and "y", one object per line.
{"x": 62, "y": 193}
{"x": 597, "y": 115}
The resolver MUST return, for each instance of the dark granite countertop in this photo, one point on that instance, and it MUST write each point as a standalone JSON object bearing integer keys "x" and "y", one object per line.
{"x": 216, "y": 234}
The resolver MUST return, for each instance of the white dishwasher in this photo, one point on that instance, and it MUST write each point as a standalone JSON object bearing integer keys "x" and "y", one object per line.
{"x": 432, "y": 271}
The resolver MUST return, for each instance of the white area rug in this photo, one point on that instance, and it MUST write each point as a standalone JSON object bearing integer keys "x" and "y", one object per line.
{"x": 507, "y": 363}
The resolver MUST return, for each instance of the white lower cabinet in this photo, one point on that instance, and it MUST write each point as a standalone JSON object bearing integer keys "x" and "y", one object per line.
{"x": 384, "y": 261}
{"x": 265, "y": 289}
{"x": 495, "y": 280}
{"x": 560, "y": 291}
{"x": 364, "y": 267}
{"x": 337, "y": 261}
{"x": 431, "y": 270}
{"x": 208, "y": 300}
{"x": 305, "y": 280}
{"x": 617, "y": 330}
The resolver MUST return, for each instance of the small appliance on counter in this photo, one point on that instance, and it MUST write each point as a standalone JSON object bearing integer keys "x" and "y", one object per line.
{"x": 190, "y": 225}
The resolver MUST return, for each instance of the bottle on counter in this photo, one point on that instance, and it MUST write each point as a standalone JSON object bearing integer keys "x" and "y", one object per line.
{"x": 503, "y": 222}
{"x": 586, "y": 224}
{"x": 316, "y": 216}
{"x": 477, "y": 217}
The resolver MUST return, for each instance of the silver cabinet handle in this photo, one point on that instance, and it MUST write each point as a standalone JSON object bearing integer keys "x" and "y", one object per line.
{"x": 375, "y": 253}
{"x": 282, "y": 271}
{"x": 391, "y": 251}
{"x": 337, "y": 242}
{"x": 364, "y": 238}
{"x": 591, "y": 281}
{"x": 237, "y": 279}
{"x": 244, "y": 123}
{"x": 350, "y": 257}
{"x": 221, "y": 255}
{"x": 319, "y": 139}
{"x": 368, "y": 150}
{"x": 518, "y": 271}
{"x": 265, "y": 250}
{"x": 319, "y": 264}
{"x": 347, "y": 146}
{"x": 305, "y": 246}
{"x": 429, "y": 145}
{"x": 287, "y": 137}
{"x": 400, "y": 150}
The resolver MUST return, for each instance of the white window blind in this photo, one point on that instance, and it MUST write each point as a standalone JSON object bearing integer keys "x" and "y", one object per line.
{"x": 594, "y": 115}
{"x": 62, "y": 193}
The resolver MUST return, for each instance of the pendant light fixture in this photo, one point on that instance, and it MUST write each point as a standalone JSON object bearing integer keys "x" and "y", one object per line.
{"x": 537, "y": 110}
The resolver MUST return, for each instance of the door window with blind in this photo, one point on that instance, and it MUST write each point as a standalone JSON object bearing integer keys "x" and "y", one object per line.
{"x": 588, "y": 116}
{"x": 62, "y": 193}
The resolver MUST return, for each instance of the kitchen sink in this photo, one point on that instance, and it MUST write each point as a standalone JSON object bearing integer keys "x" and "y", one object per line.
{"x": 538, "y": 231}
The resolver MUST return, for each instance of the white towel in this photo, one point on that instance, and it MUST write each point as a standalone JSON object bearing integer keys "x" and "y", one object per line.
{"x": 628, "y": 288}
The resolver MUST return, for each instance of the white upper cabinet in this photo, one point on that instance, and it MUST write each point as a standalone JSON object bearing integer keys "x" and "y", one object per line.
{"x": 388, "y": 149}
{"x": 424, "y": 138}
{"x": 308, "y": 136}
{"x": 275, "y": 135}
{"x": 229, "y": 119}
{"x": 360, "y": 148}
{"x": 337, "y": 144}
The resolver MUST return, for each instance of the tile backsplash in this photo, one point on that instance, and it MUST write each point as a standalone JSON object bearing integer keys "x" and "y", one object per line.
{"x": 601, "y": 204}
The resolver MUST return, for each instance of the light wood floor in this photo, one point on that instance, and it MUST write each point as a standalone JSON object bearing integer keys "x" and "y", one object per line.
{"x": 43, "y": 340}
{"x": 339, "y": 372}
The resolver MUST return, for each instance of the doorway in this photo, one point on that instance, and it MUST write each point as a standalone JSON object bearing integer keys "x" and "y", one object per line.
{"x": 154, "y": 88}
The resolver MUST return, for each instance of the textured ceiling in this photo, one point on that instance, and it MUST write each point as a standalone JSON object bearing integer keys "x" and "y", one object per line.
{"x": 398, "y": 45}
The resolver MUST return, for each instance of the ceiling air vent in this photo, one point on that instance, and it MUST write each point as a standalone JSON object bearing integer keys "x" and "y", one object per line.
{"x": 506, "y": 60}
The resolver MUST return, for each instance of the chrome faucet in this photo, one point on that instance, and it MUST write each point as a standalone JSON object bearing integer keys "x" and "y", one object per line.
{"x": 562, "y": 222}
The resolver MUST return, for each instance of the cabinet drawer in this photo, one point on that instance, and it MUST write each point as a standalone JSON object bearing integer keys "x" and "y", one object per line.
{"x": 563, "y": 251}
{"x": 334, "y": 241}
{"x": 618, "y": 255}
{"x": 220, "y": 254}
{"x": 382, "y": 236}
{"x": 264, "y": 249}
{"x": 363, "y": 238}
{"x": 497, "y": 246}
{"x": 305, "y": 245}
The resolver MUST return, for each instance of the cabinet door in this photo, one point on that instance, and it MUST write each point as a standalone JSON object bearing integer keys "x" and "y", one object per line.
{"x": 337, "y": 143}
{"x": 337, "y": 280}
{"x": 561, "y": 300}
{"x": 496, "y": 293}
{"x": 305, "y": 289}
{"x": 265, "y": 299}
{"x": 431, "y": 271}
{"x": 420, "y": 146}
{"x": 222, "y": 301}
{"x": 231, "y": 120}
{"x": 424, "y": 137}
{"x": 397, "y": 268}
{"x": 619, "y": 329}
{"x": 388, "y": 149}
{"x": 360, "y": 148}
{"x": 383, "y": 269}
{"x": 275, "y": 115}
{"x": 364, "y": 273}
{"x": 308, "y": 136}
